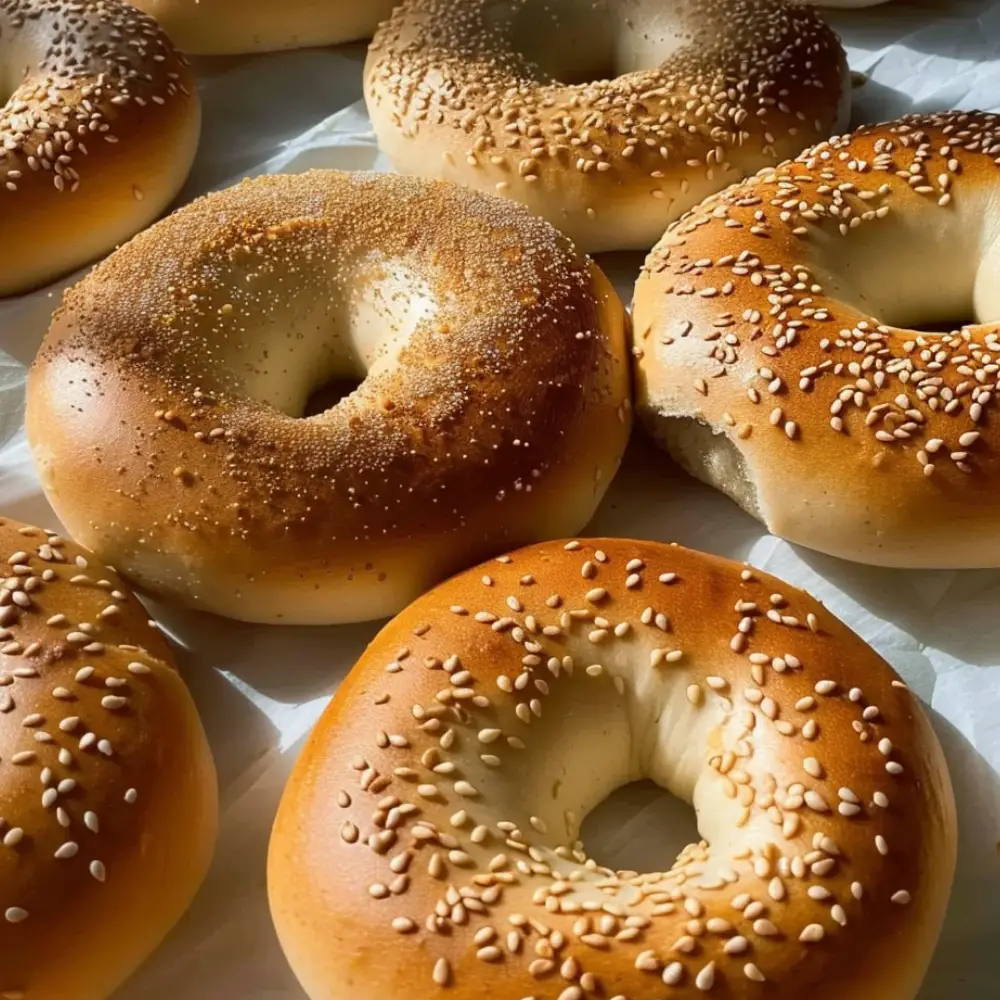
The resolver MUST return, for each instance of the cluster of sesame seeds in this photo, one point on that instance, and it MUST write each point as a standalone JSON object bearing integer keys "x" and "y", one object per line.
{"x": 88, "y": 63}
{"x": 65, "y": 692}
{"x": 243, "y": 313}
{"x": 739, "y": 83}
{"x": 782, "y": 352}
{"x": 828, "y": 844}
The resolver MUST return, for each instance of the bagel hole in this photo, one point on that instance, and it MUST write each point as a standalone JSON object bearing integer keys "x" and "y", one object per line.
{"x": 923, "y": 271}
{"x": 639, "y": 827}
{"x": 577, "y": 42}
{"x": 329, "y": 394}
{"x": 944, "y": 325}
{"x": 568, "y": 42}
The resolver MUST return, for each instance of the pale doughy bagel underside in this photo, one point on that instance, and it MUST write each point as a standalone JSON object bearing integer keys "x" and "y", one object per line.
{"x": 781, "y": 353}
{"x": 227, "y": 27}
{"x": 98, "y": 126}
{"x": 434, "y": 815}
{"x": 610, "y": 119}
{"x": 493, "y": 397}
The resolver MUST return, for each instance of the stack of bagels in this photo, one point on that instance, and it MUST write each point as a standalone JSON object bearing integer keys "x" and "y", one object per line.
{"x": 184, "y": 432}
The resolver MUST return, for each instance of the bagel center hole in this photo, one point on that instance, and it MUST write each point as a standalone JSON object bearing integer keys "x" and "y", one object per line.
{"x": 639, "y": 827}
{"x": 950, "y": 325}
{"x": 329, "y": 394}
{"x": 923, "y": 269}
{"x": 577, "y": 42}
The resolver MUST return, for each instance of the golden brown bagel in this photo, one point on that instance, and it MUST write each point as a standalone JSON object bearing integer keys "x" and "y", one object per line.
{"x": 108, "y": 792}
{"x": 776, "y": 359}
{"x": 427, "y": 842}
{"x": 97, "y": 135}
{"x": 166, "y": 405}
{"x": 609, "y": 119}
{"x": 228, "y": 27}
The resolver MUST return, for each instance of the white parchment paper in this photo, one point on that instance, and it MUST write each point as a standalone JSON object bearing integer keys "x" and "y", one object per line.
{"x": 261, "y": 689}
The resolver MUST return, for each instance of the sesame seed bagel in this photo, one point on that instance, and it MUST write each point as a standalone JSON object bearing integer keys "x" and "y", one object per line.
{"x": 97, "y": 134}
{"x": 166, "y": 406}
{"x": 108, "y": 790}
{"x": 607, "y": 119}
{"x": 230, "y": 27}
{"x": 777, "y": 355}
{"x": 434, "y": 815}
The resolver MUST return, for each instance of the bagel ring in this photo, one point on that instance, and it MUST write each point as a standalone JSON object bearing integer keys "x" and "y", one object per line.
{"x": 231, "y": 27}
{"x": 608, "y": 119}
{"x": 97, "y": 134}
{"x": 434, "y": 815}
{"x": 777, "y": 358}
{"x": 166, "y": 405}
{"x": 110, "y": 805}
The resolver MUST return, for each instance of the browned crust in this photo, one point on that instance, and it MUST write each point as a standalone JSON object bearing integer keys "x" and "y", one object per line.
{"x": 866, "y": 441}
{"x": 500, "y": 420}
{"x": 743, "y": 83}
{"x": 104, "y": 869}
{"x": 396, "y": 726}
{"x": 97, "y": 139}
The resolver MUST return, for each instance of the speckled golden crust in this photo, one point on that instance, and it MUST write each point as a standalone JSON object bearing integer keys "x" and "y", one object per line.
{"x": 108, "y": 794}
{"x": 857, "y": 436}
{"x": 96, "y": 138}
{"x": 228, "y": 27}
{"x": 488, "y": 94}
{"x": 818, "y": 783}
{"x": 494, "y": 413}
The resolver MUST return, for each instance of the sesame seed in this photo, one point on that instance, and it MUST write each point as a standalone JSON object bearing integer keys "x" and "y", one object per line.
{"x": 813, "y": 767}
{"x": 705, "y": 979}
{"x": 673, "y": 974}
{"x": 442, "y": 972}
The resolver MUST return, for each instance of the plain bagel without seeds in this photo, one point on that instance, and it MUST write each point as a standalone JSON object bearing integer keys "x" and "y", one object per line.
{"x": 230, "y": 27}
{"x": 776, "y": 355}
{"x": 435, "y": 812}
{"x": 609, "y": 119}
{"x": 166, "y": 406}
{"x": 97, "y": 134}
{"x": 109, "y": 791}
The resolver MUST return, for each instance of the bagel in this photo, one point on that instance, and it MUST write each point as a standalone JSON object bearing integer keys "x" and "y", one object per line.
{"x": 231, "y": 27}
{"x": 434, "y": 814}
{"x": 165, "y": 408}
{"x": 108, "y": 789}
{"x": 776, "y": 359}
{"x": 607, "y": 119}
{"x": 97, "y": 135}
